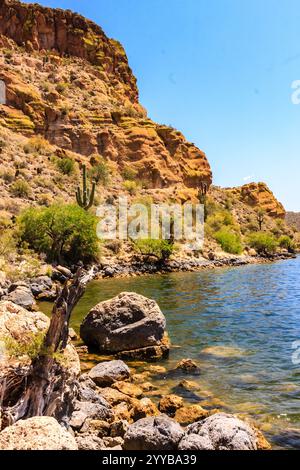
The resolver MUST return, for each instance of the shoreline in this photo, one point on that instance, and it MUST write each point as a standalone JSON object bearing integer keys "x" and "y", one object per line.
{"x": 140, "y": 268}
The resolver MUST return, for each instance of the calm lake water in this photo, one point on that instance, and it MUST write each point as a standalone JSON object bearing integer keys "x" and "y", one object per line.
{"x": 249, "y": 318}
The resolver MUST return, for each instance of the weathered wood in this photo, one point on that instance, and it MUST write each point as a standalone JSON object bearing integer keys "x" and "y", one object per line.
{"x": 46, "y": 388}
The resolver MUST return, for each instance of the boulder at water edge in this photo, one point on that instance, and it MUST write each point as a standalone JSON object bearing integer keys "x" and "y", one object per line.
{"x": 39, "y": 433}
{"x": 128, "y": 325}
{"x": 222, "y": 432}
{"x": 106, "y": 373}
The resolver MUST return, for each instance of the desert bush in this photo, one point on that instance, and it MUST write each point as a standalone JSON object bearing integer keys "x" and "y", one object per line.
{"x": 129, "y": 173}
{"x": 8, "y": 176}
{"x": 130, "y": 186}
{"x": 229, "y": 241}
{"x": 62, "y": 87}
{"x": 65, "y": 165}
{"x": 7, "y": 242}
{"x": 160, "y": 249}
{"x": 29, "y": 346}
{"x": 100, "y": 172}
{"x": 38, "y": 145}
{"x": 264, "y": 243}
{"x": 20, "y": 188}
{"x": 286, "y": 242}
{"x": 62, "y": 232}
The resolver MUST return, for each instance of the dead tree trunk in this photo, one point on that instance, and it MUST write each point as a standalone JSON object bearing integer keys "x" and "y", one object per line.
{"x": 46, "y": 388}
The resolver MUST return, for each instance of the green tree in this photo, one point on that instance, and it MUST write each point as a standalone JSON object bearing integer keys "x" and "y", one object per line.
{"x": 62, "y": 232}
{"x": 160, "y": 249}
{"x": 229, "y": 241}
{"x": 264, "y": 243}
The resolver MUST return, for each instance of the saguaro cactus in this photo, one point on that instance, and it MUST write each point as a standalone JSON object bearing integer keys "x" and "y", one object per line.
{"x": 260, "y": 217}
{"x": 85, "y": 197}
{"x": 202, "y": 196}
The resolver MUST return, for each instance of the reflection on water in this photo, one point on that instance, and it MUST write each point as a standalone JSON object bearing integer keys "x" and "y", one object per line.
{"x": 239, "y": 324}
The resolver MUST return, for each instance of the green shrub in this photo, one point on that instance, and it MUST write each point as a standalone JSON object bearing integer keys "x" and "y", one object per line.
{"x": 62, "y": 87}
{"x": 131, "y": 187}
{"x": 20, "y": 188}
{"x": 286, "y": 242}
{"x": 160, "y": 249}
{"x": 7, "y": 242}
{"x": 62, "y": 232}
{"x": 100, "y": 172}
{"x": 129, "y": 173}
{"x": 66, "y": 166}
{"x": 229, "y": 241}
{"x": 38, "y": 145}
{"x": 263, "y": 242}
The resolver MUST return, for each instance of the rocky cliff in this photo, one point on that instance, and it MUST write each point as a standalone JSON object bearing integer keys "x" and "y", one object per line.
{"x": 70, "y": 83}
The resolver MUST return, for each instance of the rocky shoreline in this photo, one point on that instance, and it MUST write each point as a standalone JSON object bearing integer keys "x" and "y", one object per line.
{"x": 111, "y": 406}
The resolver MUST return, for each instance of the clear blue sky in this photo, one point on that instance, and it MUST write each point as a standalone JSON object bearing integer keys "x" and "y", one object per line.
{"x": 221, "y": 72}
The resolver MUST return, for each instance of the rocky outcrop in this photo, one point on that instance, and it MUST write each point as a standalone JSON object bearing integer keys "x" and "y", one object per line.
{"x": 128, "y": 323}
{"x": 68, "y": 61}
{"x": 260, "y": 196}
{"x": 39, "y": 433}
{"x": 152, "y": 434}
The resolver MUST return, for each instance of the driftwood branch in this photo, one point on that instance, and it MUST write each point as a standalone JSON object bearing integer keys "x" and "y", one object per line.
{"x": 46, "y": 387}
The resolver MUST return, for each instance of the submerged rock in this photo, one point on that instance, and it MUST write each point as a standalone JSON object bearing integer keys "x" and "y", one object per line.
{"x": 38, "y": 433}
{"x": 130, "y": 325}
{"x": 158, "y": 433}
{"x": 188, "y": 366}
{"x": 106, "y": 373}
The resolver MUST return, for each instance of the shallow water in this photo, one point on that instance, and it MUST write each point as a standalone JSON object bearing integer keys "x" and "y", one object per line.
{"x": 239, "y": 324}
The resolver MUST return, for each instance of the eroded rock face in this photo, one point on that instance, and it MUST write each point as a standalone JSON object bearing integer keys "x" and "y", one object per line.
{"x": 260, "y": 196}
{"x": 38, "y": 433}
{"x": 159, "y": 433}
{"x": 128, "y": 322}
{"x": 220, "y": 432}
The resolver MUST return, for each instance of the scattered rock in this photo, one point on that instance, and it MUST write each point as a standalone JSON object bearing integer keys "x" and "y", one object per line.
{"x": 129, "y": 389}
{"x": 190, "y": 414}
{"x": 38, "y": 433}
{"x": 106, "y": 373}
{"x": 189, "y": 385}
{"x": 85, "y": 410}
{"x": 41, "y": 286}
{"x": 89, "y": 442}
{"x": 159, "y": 433}
{"x": 128, "y": 324}
{"x": 169, "y": 404}
{"x": 119, "y": 428}
{"x": 143, "y": 408}
{"x": 188, "y": 366}
{"x": 113, "y": 442}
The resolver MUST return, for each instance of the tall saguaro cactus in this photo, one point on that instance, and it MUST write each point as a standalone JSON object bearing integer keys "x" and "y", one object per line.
{"x": 85, "y": 197}
{"x": 202, "y": 196}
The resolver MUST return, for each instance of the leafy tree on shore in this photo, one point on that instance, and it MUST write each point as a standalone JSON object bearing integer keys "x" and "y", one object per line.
{"x": 62, "y": 232}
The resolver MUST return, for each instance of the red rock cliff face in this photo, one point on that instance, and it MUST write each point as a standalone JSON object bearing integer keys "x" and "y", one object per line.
{"x": 67, "y": 33}
{"x": 67, "y": 81}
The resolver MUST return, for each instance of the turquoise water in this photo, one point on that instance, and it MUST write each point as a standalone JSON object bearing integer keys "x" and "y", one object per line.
{"x": 249, "y": 317}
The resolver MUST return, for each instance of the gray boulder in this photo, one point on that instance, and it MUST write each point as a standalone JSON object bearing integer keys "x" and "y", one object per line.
{"x": 157, "y": 433}
{"x": 219, "y": 432}
{"x": 20, "y": 294}
{"x": 86, "y": 410}
{"x": 106, "y": 373}
{"x": 127, "y": 322}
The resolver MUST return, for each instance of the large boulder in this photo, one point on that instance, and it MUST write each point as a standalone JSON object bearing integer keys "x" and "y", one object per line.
{"x": 106, "y": 373}
{"x": 38, "y": 433}
{"x": 128, "y": 324}
{"x": 158, "y": 433}
{"x": 222, "y": 432}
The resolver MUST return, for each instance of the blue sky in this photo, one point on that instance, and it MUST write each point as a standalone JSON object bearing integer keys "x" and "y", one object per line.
{"x": 221, "y": 72}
